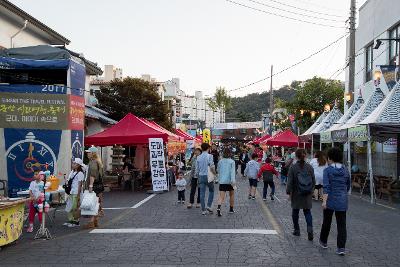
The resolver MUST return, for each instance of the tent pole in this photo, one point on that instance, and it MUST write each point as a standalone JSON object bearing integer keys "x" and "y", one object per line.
{"x": 371, "y": 175}
{"x": 312, "y": 145}
{"x": 349, "y": 162}
{"x": 304, "y": 145}
{"x": 320, "y": 146}
{"x": 398, "y": 156}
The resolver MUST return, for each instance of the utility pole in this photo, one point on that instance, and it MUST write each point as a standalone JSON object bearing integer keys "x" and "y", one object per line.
{"x": 352, "y": 50}
{"x": 271, "y": 102}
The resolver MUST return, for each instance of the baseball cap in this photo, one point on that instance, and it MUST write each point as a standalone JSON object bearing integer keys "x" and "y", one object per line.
{"x": 78, "y": 161}
{"x": 92, "y": 149}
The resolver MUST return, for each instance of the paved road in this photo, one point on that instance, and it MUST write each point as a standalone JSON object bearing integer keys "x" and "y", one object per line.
{"x": 373, "y": 236}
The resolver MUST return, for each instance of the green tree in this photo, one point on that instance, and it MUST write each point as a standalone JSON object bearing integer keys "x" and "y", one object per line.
{"x": 132, "y": 95}
{"x": 221, "y": 101}
{"x": 313, "y": 95}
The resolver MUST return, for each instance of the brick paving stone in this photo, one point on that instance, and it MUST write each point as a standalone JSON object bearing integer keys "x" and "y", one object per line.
{"x": 372, "y": 236}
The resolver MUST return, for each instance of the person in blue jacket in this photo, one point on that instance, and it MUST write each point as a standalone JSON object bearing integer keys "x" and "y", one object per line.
{"x": 336, "y": 184}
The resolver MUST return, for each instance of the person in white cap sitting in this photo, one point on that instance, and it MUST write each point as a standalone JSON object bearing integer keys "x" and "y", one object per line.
{"x": 74, "y": 184}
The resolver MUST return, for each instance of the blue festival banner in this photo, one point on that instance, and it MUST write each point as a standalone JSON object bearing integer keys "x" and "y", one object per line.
{"x": 29, "y": 151}
{"x": 77, "y": 144}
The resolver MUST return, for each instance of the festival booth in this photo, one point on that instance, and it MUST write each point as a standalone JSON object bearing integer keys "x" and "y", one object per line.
{"x": 42, "y": 113}
{"x": 261, "y": 139}
{"x": 191, "y": 142}
{"x": 307, "y": 136}
{"x": 284, "y": 139}
{"x": 150, "y": 141}
{"x": 332, "y": 117}
{"x": 383, "y": 125}
{"x": 359, "y": 134}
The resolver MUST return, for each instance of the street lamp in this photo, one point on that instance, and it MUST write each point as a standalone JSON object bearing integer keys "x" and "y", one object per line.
{"x": 313, "y": 114}
{"x": 377, "y": 77}
{"x": 327, "y": 107}
{"x": 347, "y": 97}
{"x": 301, "y": 112}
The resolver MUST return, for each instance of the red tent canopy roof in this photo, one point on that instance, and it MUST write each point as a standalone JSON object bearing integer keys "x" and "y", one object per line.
{"x": 159, "y": 127}
{"x": 129, "y": 131}
{"x": 286, "y": 138}
{"x": 184, "y": 135}
{"x": 261, "y": 139}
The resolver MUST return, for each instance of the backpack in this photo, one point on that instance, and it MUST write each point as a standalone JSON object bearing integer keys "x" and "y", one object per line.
{"x": 304, "y": 182}
{"x": 68, "y": 185}
{"x": 268, "y": 176}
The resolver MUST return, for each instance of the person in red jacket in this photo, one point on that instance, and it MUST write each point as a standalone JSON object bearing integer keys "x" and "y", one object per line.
{"x": 267, "y": 172}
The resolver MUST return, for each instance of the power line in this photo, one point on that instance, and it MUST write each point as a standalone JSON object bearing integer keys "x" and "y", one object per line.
{"x": 283, "y": 16}
{"x": 292, "y": 12}
{"x": 293, "y": 65}
{"x": 319, "y": 6}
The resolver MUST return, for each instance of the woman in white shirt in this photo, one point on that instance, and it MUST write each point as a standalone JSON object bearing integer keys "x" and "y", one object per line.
{"x": 77, "y": 177}
{"x": 319, "y": 164}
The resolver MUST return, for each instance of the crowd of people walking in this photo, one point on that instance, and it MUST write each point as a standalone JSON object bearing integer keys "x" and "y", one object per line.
{"x": 323, "y": 178}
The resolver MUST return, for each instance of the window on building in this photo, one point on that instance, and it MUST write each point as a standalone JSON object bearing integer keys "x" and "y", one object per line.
{"x": 368, "y": 62}
{"x": 393, "y": 45}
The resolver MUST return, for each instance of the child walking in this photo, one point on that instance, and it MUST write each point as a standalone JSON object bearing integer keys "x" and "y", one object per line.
{"x": 251, "y": 172}
{"x": 181, "y": 186}
{"x": 35, "y": 190}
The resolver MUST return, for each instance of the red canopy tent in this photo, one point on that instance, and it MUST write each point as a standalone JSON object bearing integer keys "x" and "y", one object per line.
{"x": 286, "y": 138}
{"x": 159, "y": 127}
{"x": 129, "y": 131}
{"x": 261, "y": 139}
{"x": 184, "y": 135}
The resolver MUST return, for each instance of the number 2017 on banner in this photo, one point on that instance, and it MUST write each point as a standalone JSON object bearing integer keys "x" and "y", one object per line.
{"x": 53, "y": 88}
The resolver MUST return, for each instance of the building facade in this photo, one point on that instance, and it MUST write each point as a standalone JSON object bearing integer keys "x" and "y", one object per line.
{"x": 378, "y": 19}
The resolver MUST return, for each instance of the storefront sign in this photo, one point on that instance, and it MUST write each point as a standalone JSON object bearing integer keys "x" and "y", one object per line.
{"x": 358, "y": 134}
{"x": 157, "y": 164}
{"x": 33, "y": 111}
{"x": 238, "y": 125}
{"x": 325, "y": 137}
{"x": 390, "y": 146}
{"x": 339, "y": 136}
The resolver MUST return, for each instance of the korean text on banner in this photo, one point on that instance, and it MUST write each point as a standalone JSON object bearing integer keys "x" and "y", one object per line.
{"x": 358, "y": 134}
{"x": 157, "y": 164}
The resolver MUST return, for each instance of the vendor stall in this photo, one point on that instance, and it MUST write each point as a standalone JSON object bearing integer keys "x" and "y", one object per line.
{"x": 11, "y": 219}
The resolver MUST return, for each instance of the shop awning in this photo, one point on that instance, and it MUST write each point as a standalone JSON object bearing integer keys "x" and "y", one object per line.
{"x": 333, "y": 116}
{"x": 171, "y": 135}
{"x": 129, "y": 131}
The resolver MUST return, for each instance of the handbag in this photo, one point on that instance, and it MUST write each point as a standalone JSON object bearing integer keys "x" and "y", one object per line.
{"x": 210, "y": 175}
{"x": 89, "y": 201}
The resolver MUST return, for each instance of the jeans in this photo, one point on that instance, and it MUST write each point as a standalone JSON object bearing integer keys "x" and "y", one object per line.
{"x": 283, "y": 179}
{"x": 203, "y": 183}
{"x": 341, "y": 227}
{"x": 242, "y": 168}
{"x": 181, "y": 195}
{"x": 265, "y": 189}
{"x": 307, "y": 215}
{"x": 193, "y": 187}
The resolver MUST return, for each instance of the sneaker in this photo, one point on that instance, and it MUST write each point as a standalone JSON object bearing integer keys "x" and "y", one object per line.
{"x": 341, "y": 251}
{"x": 197, "y": 206}
{"x": 231, "y": 210}
{"x": 178, "y": 202}
{"x": 296, "y": 233}
{"x": 67, "y": 223}
{"x": 204, "y": 212}
{"x": 219, "y": 213}
{"x": 30, "y": 229}
{"x": 189, "y": 206}
{"x": 209, "y": 210}
{"x": 323, "y": 245}
{"x": 264, "y": 199}
{"x": 249, "y": 196}
{"x": 72, "y": 225}
{"x": 272, "y": 197}
{"x": 253, "y": 198}
{"x": 183, "y": 202}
